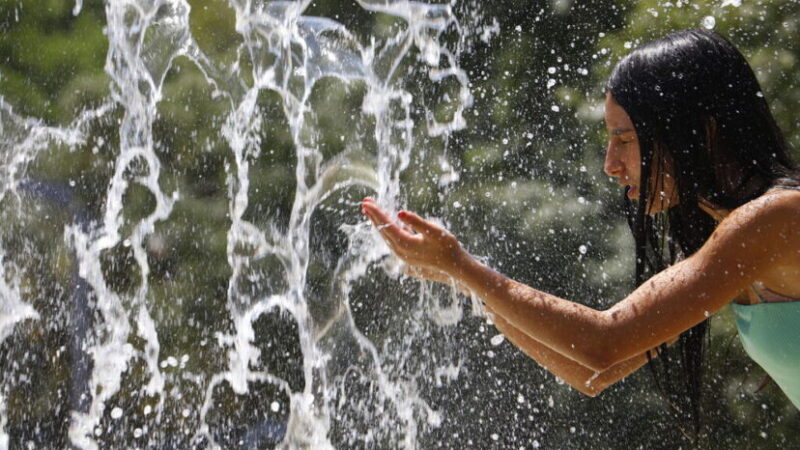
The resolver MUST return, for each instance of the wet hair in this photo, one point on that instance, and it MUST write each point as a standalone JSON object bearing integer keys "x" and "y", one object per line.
{"x": 700, "y": 116}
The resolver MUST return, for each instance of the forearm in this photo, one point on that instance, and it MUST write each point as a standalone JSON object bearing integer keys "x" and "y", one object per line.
{"x": 578, "y": 376}
{"x": 568, "y": 328}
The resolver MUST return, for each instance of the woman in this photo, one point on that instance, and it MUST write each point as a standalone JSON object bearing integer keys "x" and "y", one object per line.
{"x": 716, "y": 220}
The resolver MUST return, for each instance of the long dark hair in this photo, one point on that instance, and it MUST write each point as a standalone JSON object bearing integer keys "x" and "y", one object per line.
{"x": 699, "y": 111}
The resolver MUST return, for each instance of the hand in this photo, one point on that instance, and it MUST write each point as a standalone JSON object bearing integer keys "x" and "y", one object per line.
{"x": 424, "y": 246}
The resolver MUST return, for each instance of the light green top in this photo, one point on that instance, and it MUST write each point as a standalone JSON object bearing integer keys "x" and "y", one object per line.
{"x": 770, "y": 334}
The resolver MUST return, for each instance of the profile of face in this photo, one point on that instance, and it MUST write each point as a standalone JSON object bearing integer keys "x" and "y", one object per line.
{"x": 623, "y": 161}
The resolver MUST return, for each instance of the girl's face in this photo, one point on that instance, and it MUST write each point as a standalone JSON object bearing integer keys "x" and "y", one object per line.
{"x": 623, "y": 160}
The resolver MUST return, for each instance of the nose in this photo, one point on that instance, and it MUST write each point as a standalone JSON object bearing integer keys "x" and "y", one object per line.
{"x": 613, "y": 165}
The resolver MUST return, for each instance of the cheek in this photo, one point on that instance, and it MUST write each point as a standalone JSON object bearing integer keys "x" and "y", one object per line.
{"x": 635, "y": 155}
{"x": 633, "y": 166}
{"x": 634, "y": 161}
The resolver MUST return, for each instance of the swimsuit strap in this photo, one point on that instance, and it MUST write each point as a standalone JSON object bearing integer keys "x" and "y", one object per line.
{"x": 764, "y": 294}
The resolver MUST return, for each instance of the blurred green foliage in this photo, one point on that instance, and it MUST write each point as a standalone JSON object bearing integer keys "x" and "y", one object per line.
{"x": 529, "y": 197}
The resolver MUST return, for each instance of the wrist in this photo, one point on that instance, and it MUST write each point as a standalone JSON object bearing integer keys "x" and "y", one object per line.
{"x": 459, "y": 263}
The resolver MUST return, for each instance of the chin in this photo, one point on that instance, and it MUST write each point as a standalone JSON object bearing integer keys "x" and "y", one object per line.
{"x": 632, "y": 192}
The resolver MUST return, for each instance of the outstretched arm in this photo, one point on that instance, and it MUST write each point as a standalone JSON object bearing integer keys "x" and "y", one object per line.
{"x": 580, "y": 377}
{"x": 751, "y": 241}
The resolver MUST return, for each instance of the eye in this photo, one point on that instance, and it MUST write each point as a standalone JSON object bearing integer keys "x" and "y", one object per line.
{"x": 622, "y": 138}
{"x": 619, "y": 141}
{"x": 627, "y": 137}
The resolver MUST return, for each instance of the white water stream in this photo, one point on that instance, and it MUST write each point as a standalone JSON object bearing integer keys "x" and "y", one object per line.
{"x": 287, "y": 54}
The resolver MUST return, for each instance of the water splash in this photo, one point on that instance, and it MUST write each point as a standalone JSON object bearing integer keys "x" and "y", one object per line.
{"x": 12, "y": 311}
{"x": 345, "y": 386}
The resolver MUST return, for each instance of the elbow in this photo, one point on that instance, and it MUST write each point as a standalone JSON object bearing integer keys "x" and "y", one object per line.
{"x": 589, "y": 392}
{"x": 601, "y": 350}
{"x": 590, "y": 389}
{"x": 600, "y": 360}
{"x": 593, "y": 393}
{"x": 598, "y": 356}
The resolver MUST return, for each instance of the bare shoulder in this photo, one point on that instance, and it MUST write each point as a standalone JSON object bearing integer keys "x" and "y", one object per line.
{"x": 777, "y": 207}
{"x": 769, "y": 223}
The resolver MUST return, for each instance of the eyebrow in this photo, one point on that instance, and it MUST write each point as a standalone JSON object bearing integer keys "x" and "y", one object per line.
{"x": 619, "y": 131}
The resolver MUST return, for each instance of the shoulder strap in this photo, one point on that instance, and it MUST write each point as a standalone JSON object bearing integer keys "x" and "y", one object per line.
{"x": 753, "y": 295}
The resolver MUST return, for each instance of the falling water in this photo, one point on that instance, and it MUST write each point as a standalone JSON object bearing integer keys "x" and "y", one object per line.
{"x": 347, "y": 394}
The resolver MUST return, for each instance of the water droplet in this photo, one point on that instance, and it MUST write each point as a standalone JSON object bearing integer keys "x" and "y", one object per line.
{"x": 116, "y": 413}
{"x": 497, "y": 339}
{"x": 582, "y": 249}
{"x": 275, "y": 406}
{"x": 709, "y": 22}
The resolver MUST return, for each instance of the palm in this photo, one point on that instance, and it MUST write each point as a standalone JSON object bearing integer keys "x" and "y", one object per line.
{"x": 425, "y": 245}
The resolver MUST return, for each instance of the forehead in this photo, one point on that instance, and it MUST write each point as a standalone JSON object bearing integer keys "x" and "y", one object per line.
{"x": 615, "y": 116}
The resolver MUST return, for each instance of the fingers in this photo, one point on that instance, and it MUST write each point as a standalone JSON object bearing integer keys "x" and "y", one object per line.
{"x": 417, "y": 223}
{"x": 391, "y": 232}
{"x": 377, "y": 215}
